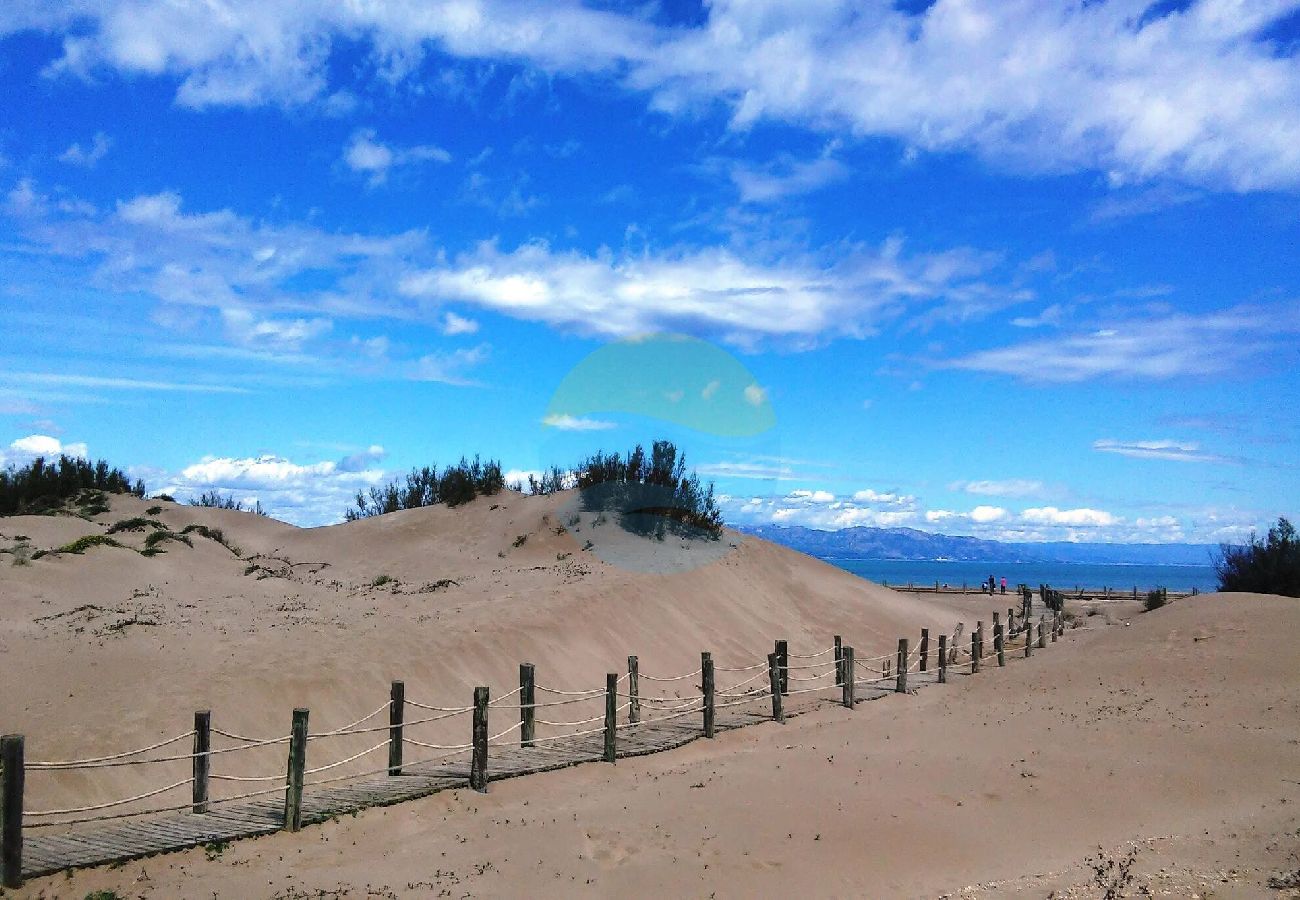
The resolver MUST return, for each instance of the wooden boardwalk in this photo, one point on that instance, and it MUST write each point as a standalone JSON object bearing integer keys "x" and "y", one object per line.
{"x": 48, "y": 850}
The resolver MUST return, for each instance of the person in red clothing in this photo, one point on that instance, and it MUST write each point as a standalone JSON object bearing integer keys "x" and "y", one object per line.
{"x": 1004, "y": 584}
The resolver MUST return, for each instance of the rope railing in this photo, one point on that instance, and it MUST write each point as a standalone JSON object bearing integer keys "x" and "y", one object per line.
{"x": 811, "y": 673}
{"x": 99, "y": 761}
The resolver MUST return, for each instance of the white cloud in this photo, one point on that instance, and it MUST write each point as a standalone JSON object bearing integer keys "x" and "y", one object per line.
{"x": 565, "y": 422}
{"x": 1011, "y": 487}
{"x": 1190, "y": 94}
{"x": 25, "y": 449}
{"x": 985, "y": 514}
{"x": 453, "y": 324}
{"x": 787, "y": 177}
{"x": 367, "y": 155}
{"x": 305, "y": 494}
{"x": 58, "y": 379}
{"x": 449, "y": 368}
{"x": 710, "y": 289}
{"x": 755, "y": 395}
{"x": 1083, "y": 517}
{"x": 246, "y": 328}
{"x": 710, "y": 389}
{"x": 87, "y": 157}
{"x": 1154, "y": 348}
{"x": 1176, "y": 451}
{"x": 220, "y": 260}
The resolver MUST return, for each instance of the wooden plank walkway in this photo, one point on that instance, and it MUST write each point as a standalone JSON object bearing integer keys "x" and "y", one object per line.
{"x": 48, "y": 850}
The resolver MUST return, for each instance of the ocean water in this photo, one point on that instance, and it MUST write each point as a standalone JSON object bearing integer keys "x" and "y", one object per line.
{"x": 1062, "y": 576}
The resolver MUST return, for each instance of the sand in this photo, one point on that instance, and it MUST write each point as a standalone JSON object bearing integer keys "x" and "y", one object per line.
{"x": 1172, "y": 734}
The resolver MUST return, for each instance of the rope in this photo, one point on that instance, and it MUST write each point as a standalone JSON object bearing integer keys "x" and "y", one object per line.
{"x": 343, "y": 762}
{"x": 108, "y": 818}
{"x": 252, "y": 742}
{"x": 762, "y": 674}
{"x": 812, "y": 677}
{"x": 652, "y": 699}
{"x": 250, "y": 778}
{"x": 110, "y": 804}
{"x": 830, "y": 649}
{"x": 90, "y": 762}
{"x": 761, "y": 665}
{"x": 459, "y": 748}
{"x": 598, "y": 718}
{"x": 446, "y": 709}
{"x": 504, "y": 733}
{"x": 346, "y": 728}
{"x": 673, "y": 678}
{"x": 810, "y": 690}
{"x": 505, "y": 696}
{"x": 573, "y": 693}
{"x": 820, "y": 665}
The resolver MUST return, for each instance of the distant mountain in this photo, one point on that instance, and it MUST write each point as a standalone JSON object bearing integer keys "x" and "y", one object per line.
{"x": 864, "y": 542}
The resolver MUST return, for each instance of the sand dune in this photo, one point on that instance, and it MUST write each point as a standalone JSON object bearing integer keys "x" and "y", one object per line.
{"x": 1171, "y": 738}
{"x": 112, "y": 650}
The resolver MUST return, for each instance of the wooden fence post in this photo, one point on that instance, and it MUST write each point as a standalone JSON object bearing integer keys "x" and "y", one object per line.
{"x": 611, "y": 716}
{"x": 1042, "y": 632}
{"x": 774, "y": 681}
{"x": 1029, "y": 638}
{"x": 901, "y": 684}
{"x": 202, "y": 758}
{"x": 783, "y": 658}
{"x": 297, "y": 765}
{"x": 479, "y": 761}
{"x": 634, "y": 689}
{"x": 396, "y": 716}
{"x": 11, "y": 810}
{"x": 998, "y": 643}
{"x": 1056, "y": 626}
{"x": 839, "y": 660}
{"x": 925, "y": 649}
{"x": 706, "y": 669}
{"x": 527, "y": 704}
{"x": 943, "y": 659}
{"x": 979, "y": 633}
{"x": 846, "y": 670}
{"x": 974, "y": 652}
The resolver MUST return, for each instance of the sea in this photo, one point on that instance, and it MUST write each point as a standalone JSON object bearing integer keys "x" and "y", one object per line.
{"x": 1062, "y": 576}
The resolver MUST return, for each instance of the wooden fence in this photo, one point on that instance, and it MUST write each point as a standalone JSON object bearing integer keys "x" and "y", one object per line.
{"x": 632, "y": 722}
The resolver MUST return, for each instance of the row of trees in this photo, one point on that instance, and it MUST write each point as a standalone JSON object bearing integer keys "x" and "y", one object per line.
{"x": 1269, "y": 565}
{"x": 40, "y": 487}
{"x": 427, "y": 486}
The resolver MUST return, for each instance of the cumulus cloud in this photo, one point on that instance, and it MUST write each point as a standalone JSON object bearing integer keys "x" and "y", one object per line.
{"x": 367, "y": 155}
{"x": 786, "y": 177}
{"x": 450, "y": 368}
{"x": 301, "y": 493}
{"x": 1176, "y": 451}
{"x": 453, "y": 324}
{"x": 1111, "y": 86}
{"x": 25, "y": 449}
{"x": 1083, "y": 517}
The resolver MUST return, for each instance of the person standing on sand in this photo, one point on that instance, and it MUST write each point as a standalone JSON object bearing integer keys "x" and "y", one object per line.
{"x": 1004, "y": 584}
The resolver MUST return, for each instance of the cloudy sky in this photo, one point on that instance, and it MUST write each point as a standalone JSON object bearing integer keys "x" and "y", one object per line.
{"x": 1012, "y": 268}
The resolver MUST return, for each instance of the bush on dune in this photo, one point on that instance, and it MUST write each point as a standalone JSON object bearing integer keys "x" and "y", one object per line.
{"x": 40, "y": 487}
{"x": 1267, "y": 566}
{"x": 649, "y": 494}
{"x": 427, "y": 486}
{"x": 215, "y": 500}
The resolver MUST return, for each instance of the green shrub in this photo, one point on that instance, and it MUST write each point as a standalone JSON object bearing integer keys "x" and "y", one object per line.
{"x": 161, "y": 537}
{"x": 168, "y": 497}
{"x": 427, "y": 486}
{"x": 1156, "y": 599}
{"x": 381, "y": 580}
{"x": 82, "y": 544}
{"x": 214, "y": 500}
{"x": 153, "y": 511}
{"x": 136, "y": 524}
{"x": 41, "y": 487}
{"x": 1268, "y": 566}
{"x": 649, "y": 495}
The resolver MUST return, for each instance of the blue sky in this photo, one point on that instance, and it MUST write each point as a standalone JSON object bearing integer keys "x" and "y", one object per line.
{"x": 1024, "y": 270}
